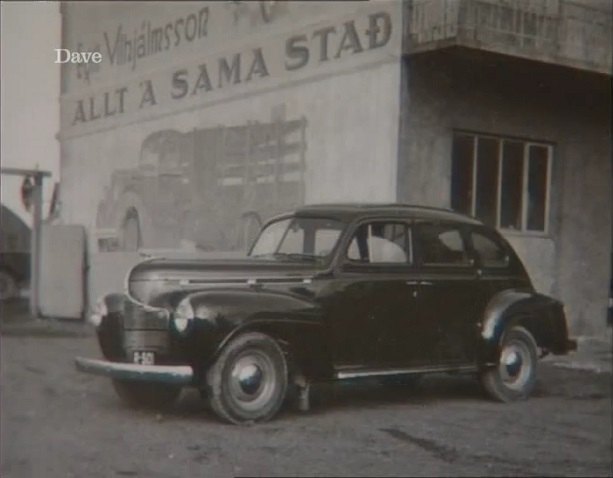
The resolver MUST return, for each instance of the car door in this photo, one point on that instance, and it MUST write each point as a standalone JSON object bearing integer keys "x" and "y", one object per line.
{"x": 448, "y": 296}
{"x": 375, "y": 296}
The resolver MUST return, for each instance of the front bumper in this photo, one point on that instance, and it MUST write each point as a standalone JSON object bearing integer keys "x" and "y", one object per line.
{"x": 169, "y": 374}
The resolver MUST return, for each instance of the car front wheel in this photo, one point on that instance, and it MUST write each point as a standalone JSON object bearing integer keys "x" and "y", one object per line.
{"x": 248, "y": 381}
{"x": 515, "y": 375}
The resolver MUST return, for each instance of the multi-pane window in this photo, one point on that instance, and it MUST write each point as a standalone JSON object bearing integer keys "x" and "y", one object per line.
{"x": 504, "y": 182}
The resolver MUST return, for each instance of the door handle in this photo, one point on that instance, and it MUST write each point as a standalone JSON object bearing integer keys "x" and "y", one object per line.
{"x": 412, "y": 282}
{"x": 479, "y": 273}
{"x": 425, "y": 282}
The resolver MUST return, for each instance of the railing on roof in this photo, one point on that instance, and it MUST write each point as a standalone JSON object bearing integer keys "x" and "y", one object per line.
{"x": 570, "y": 33}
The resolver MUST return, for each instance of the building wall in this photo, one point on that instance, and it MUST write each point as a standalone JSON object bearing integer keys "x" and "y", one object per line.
{"x": 457, "y": 89}
{"x": 266, "y": 71}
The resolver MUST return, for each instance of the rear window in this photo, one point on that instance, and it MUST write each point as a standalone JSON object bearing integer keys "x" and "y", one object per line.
{"x": 490, "y": 251}
{"x": 441, "y": 244}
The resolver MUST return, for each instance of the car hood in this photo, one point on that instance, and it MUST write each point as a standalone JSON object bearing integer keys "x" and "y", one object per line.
{"x": 153, "y": 277}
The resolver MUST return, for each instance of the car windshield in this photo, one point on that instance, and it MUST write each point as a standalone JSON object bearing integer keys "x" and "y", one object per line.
{"x": 298, "y": 238}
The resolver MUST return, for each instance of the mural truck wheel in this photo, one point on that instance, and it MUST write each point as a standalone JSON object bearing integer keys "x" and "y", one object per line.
{"x": 8, "y": 285}
{"x": 515, "y": 375}
{"x": 248, "y": 382}
{"x": 131, "y": 239}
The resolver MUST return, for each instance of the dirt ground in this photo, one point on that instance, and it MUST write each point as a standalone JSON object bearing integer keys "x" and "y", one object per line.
{"x": 56, "y": 422}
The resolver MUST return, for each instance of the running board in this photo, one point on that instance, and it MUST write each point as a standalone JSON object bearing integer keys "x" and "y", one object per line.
{"x": 343, "y": 375}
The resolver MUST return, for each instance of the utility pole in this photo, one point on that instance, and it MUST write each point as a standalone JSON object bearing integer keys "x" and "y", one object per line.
{"x": 35, "y": 240}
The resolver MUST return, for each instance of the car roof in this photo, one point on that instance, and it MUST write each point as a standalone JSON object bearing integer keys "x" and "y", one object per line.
{"x": 352, "y": 211}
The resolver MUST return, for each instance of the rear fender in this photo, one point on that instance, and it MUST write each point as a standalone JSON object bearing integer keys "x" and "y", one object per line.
{"x": 541, "y": 315}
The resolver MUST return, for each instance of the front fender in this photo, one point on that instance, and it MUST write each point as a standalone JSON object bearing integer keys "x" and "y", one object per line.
{"x": 541, "y": 315}
{"x": 109, "y": 332}
{"x": 295, "y": 321}
{"x": 114, "y": 302}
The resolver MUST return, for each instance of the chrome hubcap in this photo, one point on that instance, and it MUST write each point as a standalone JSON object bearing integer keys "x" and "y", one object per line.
{"x": 515, "y": 365}
{"x": 252, "y": 380}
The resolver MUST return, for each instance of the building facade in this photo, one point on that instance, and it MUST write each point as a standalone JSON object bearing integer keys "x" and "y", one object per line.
{"x": 204, "y": 119}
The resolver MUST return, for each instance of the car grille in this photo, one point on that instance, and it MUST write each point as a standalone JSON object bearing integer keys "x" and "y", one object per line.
{"x": 145, "y": 329}
{"x": 145, "y": 340}
{"x": 137, "y": 317}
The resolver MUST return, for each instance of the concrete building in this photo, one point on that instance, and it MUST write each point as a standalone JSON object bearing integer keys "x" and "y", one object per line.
{"x": 203, "y": 119}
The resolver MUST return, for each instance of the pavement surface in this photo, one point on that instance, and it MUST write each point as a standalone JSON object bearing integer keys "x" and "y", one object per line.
{"x": 56, "y": 422}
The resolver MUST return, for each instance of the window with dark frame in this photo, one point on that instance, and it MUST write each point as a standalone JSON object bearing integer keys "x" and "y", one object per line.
{"x": 381, "y": 242}
{"x": 441, "y": 244}
{"x": 489, "y": 251}
{"x": 502, "y": 181}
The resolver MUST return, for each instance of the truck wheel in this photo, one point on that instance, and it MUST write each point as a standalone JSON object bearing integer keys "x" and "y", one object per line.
{"x": 248, "y": 382}
{"x": 145, "y": 394}
{"x": 8, "y": 285}
{"x": 515, "y": 375}
{"x": 131, "y": 239}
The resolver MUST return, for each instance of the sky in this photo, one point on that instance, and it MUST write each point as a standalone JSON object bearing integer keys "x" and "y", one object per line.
{"x": 30, "y": 84}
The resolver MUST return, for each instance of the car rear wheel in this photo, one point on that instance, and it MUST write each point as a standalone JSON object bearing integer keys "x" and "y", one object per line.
{"x": 145, "y": 394}
{"x": 248, "y": 382}
{"x": 515, "y": 375}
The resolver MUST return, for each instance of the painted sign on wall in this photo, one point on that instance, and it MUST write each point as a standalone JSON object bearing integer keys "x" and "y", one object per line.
{"x": 118, "y": 90}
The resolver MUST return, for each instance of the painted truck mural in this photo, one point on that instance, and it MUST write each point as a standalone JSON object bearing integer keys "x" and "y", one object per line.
{"x": 207, "y": 189}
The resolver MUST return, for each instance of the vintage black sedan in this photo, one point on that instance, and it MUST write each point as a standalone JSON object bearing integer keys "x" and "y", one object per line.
{"x": 329, "y": 292}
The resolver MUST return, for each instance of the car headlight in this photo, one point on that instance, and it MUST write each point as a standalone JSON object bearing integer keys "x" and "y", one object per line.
{"x": 183, "y": 314}
{"x": 99, "y": 310}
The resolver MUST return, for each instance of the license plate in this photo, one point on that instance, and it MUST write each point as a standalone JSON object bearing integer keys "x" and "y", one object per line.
{"x": 143, "y": 358}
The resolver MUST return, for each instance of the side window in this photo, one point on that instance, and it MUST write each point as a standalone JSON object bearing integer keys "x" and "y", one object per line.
{"x": 325, "y": 239}
{"x": 380, "y": 242}
{"x": 490, "y": 252}
{"x": 441, "y": 245}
